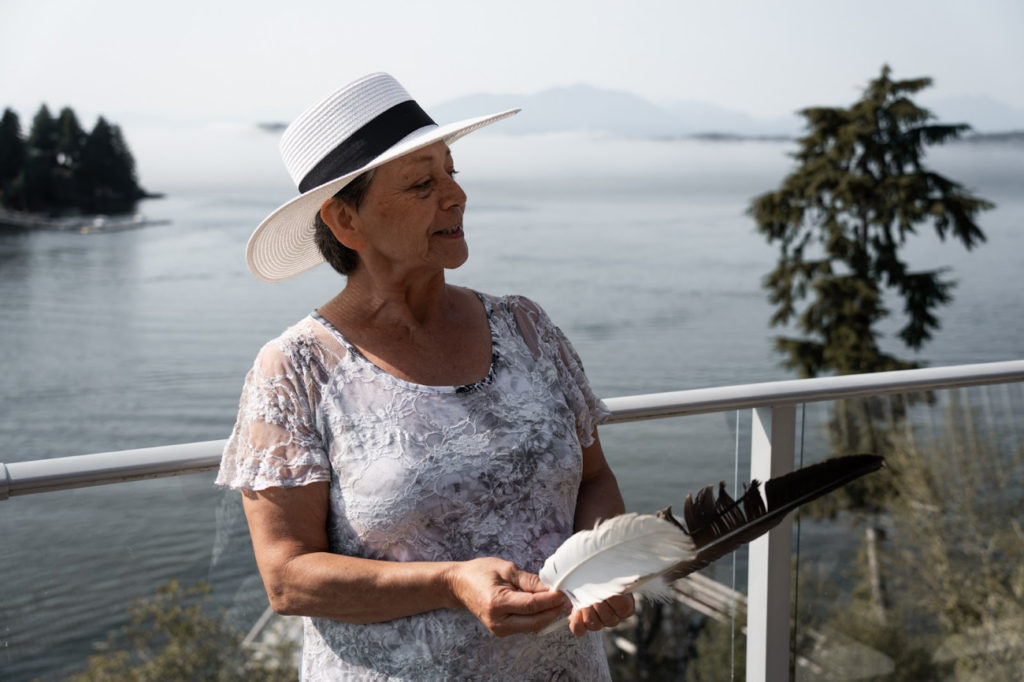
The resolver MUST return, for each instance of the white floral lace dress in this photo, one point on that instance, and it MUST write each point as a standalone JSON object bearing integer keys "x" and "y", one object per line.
{"x": 427, "y": 473}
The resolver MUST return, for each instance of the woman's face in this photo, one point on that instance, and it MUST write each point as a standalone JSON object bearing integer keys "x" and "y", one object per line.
{"x": 411, "y": 216}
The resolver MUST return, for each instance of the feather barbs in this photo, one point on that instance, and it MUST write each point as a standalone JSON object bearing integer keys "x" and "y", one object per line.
{"x": 596, "y": 564}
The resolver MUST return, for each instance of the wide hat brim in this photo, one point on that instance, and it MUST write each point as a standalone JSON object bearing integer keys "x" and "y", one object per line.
{"x": 283, "y": 245}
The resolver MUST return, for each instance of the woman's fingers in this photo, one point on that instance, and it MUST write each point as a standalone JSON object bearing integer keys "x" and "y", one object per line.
{"x": 509, "y": 601}
{"x": 624, "y": 605}
{"x": 529, "y": 582}
{"x": 529, "y": 603}
{"x": 514, "y": 623}
{"x": 606, "y": 614}
{"x": 580, "y": 621}
{"x": 505, "y": 599}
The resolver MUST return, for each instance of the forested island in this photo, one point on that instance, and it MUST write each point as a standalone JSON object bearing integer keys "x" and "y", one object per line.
{"x": 61, "y": 169}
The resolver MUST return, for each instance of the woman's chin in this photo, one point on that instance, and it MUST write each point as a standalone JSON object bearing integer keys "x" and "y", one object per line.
{"x": 455, "y": 257}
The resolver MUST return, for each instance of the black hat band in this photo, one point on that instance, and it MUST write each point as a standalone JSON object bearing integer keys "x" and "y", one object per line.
{"x": 367, "y": 143}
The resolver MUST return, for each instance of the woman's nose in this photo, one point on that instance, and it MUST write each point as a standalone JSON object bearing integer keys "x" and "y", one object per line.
{"x": 452, "y": 194}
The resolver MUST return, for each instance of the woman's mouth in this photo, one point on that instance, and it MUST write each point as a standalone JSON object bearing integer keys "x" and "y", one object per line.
{"x": 454, "y": 231}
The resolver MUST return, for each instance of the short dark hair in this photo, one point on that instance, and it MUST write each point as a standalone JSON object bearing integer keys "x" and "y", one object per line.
{"x": 340, "y": 257}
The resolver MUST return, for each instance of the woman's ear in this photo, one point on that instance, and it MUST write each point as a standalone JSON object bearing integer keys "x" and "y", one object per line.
{"x": 343, "y": 221}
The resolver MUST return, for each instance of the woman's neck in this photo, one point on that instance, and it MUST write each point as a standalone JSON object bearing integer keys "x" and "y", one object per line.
{"x": 410, "y": 304}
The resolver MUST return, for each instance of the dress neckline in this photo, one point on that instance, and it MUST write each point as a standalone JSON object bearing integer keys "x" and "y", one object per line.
{"x": 361, "y": 359}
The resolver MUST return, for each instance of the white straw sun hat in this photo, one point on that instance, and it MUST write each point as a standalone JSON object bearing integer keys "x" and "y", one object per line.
{"x": 364, "y": 124}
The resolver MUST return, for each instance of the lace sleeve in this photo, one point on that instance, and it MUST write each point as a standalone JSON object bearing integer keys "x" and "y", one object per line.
{"x": 275, "y": 442}
{"x": 548, "y": 340}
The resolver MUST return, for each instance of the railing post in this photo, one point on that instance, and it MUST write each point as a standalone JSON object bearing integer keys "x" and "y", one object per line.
{"x": 772, "y": 448}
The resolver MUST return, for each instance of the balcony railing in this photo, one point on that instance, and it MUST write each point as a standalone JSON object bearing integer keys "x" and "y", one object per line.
{"x": 779, "y": 429}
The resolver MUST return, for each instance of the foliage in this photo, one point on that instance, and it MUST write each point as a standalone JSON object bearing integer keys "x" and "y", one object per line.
{"x": 961, "y": 540}
{"x": 35, "y": 181}
{"x": 908, "y": 658}
{"x": 667, "y": 640}
{"x": 72, "y": 140}
{"x": 951, "y": 572}
{"x": 65, "y": 172}
{"x": 45, "y": 133}
{"x": 953, "y": 567}
{"x": 860, "y": 425}
{"x": 841, "y": 220}
{"x": 61, "y": 167}
{"x": 716, "y": 646}
{"x": 12, "y": 152}
{"x": 107, "y": 168}
{"x": 170, "y": 638}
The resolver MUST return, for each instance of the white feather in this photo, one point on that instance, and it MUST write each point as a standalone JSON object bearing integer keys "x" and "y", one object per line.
{"x": 593, "y": 565}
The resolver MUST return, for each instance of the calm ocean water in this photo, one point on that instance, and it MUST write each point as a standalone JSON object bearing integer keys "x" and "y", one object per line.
{"x": 639, "y": 250}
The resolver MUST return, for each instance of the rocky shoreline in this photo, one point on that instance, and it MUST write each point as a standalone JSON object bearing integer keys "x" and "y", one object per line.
{"x": 82, "y": 224}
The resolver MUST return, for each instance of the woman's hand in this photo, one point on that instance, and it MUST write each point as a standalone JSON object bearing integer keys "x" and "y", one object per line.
{"x": 504, "y": 598}
{"x": 606, "y": 614}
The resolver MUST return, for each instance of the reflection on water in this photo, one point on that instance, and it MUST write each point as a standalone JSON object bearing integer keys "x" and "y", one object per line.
{"x": 639, "y": 250}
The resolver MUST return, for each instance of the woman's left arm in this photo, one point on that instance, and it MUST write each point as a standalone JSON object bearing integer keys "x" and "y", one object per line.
{"x": 599, "y": 498}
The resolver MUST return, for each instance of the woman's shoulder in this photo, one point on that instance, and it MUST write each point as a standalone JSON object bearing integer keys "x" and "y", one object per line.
{"x": 525, "y": 318}
{"x": 302, "y": 345}
{"x": 516, "y": 304}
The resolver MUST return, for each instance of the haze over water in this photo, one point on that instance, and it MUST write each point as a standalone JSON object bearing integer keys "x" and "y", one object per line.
{"x": 638, "y": 249}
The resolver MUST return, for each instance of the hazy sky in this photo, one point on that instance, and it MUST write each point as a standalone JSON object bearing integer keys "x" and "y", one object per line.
{"x": 266, "y": 61}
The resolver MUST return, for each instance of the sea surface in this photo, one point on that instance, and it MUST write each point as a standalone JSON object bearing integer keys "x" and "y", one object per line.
{"x": 639, "y": 249}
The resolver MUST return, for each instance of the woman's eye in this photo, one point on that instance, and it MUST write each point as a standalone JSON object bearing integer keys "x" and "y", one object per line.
{"x": 429, "y": 182}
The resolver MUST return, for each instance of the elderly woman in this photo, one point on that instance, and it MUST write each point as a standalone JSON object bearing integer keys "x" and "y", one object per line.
{"x": 411, "y": 452}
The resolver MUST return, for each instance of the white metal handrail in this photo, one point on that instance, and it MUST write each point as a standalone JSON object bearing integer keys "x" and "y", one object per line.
{"x": 63, "y": 473}
{"x": 796, "y": 391}
{"x": 80, "y": 471}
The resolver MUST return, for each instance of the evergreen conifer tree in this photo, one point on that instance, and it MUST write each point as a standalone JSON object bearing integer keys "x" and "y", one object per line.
{"x": 60, "y": 166}
{"x": 44, "y": 136}
{"x": 69, "y": 157}
{"x": 841, "y": 220}
{"x": 39, "y": 184}
{"x": 126, "y": 183}
{"x": 843, "y": 216}
{"x": 107, "y": 172}
{"x": 94, "y": 171}
{"x": 12, "y": 158}
{"x": 71, "y": 141}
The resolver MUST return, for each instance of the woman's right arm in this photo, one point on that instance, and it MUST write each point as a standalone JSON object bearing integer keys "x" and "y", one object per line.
{"x": 289, "y": 535}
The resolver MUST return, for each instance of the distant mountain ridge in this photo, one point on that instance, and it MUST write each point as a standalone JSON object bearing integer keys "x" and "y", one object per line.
{"x": 587, "y": 109}
{"x": 584, "y": 108}
{"x": 984, "y": 114}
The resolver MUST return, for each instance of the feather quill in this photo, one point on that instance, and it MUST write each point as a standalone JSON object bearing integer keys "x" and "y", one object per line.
{"x": 713, "y": 528}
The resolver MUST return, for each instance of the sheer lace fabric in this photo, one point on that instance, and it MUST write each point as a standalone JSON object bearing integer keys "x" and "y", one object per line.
{"x": 428, "y": 473}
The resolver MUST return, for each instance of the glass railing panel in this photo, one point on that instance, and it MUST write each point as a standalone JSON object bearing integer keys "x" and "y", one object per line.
{"x": 74, "y": 563}
{"x": 77, "y": 563}
{"x": 700, "y": 634}
{"x": 917, "y": 572}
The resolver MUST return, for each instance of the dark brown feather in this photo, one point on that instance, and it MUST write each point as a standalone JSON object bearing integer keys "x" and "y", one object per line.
{"x": 719, "y": 527}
